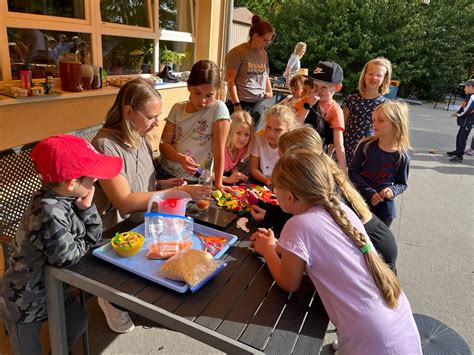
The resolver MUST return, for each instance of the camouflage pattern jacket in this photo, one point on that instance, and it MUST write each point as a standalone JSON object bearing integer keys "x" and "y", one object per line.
{"x": 53, "y": 231}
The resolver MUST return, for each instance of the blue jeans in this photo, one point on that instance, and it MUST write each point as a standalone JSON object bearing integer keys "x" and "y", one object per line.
{"x": 25, "y": 337}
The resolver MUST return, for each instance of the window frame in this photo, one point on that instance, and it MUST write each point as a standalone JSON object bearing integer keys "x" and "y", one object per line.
{"x": 93, "y": 25}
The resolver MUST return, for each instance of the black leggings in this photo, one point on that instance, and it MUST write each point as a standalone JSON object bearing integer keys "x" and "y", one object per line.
{"x": 383, "y": 240}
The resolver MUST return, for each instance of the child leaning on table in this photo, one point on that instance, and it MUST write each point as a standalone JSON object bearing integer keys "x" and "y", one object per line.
{"x": 279, "y": 119}
{"x": 272, "y": 216}
{"x": 237, "y": 147}
{"x": 325, "y": 239}
{"x": 58, "y": 228}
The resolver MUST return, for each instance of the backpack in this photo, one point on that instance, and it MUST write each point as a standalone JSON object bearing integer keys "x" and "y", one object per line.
{"x": 315, "y": 119}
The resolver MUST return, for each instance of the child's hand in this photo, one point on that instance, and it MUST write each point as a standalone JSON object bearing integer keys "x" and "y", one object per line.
{"x": 188, "y": 164}
{"x": 223, "y": 188}
{"x": 85, "y": 201}
{"x": 234, "y": 178}
{"x": 386, "y": 193}
{"x": 173, "y": 182}
{"x": 257, "y": 213}
{"x": 376, "y": 198}
{"x": 268, "y": 181}
{"x": 198, "y": 192}
{"x": 262, "y": 241}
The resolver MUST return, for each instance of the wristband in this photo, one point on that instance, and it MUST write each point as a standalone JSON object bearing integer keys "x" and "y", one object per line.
{"x": 237, "y": 104}
{"x": 307, "y": 106}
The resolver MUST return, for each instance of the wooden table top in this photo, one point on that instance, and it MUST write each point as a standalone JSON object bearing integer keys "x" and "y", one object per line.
{"x": 241, "y": 302}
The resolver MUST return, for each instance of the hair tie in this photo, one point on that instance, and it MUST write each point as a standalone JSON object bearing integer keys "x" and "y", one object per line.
{"x": 365, "y": 249}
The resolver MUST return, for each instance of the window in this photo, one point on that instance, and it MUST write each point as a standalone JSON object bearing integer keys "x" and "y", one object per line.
{"x": 42, "y": 50}
{"x": 63, "y": 8}
{"x": 119, "y": 35}
{"x": 124, "y": 55}
{"x": 175, "y": 15}
{"x": 132, "y": 12}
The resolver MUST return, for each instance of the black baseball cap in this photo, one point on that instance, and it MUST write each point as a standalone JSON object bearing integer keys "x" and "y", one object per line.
{"x": 328, "y": 72}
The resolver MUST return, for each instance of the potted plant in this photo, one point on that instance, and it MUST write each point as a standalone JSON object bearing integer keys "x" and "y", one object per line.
{"x": 171, "y": 58}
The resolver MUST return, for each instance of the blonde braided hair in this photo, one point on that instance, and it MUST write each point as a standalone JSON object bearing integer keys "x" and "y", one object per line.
{"x": 309, "y": 177}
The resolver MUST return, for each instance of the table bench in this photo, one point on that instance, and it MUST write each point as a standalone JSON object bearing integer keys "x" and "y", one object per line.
{"x": 241, "y": 310}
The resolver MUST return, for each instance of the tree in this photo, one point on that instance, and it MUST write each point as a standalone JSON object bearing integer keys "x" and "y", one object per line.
{"x": 428, "y": 45}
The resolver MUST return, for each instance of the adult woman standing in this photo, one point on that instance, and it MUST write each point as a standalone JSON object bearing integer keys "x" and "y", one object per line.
{"x": 134, "y": 113}
{"x": 247, "y": 70}
{"x": 294, "y": 62}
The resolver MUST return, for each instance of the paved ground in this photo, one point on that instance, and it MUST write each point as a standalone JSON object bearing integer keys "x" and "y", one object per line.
{"x": 435, "y": 235}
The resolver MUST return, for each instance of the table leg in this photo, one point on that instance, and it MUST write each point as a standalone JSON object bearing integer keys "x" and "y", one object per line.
{"x": 56, "y": 313}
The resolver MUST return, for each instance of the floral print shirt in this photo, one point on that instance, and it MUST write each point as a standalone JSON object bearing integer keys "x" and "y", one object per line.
{"x": 359, "y": 123}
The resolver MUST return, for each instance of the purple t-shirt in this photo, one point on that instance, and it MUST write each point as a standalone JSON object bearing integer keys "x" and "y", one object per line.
{"x": 365, "y": 324}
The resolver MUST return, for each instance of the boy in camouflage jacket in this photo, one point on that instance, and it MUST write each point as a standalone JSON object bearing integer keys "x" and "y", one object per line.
{"x": 58, "y": 228}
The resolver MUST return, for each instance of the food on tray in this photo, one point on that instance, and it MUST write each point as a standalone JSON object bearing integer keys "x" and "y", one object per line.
{"x": 212, "y": 244}
{"x": 243, "y": 196}
{"x": 165, "y": 250}
{"x": 191, "y": 266}
{"x": 252, "y": 198}
{"x": 203, "y": 204}
{"x": 128, "y": 243}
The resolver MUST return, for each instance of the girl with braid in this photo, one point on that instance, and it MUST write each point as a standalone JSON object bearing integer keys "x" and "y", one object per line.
{"x": 272, "y": 216}
{"x": 325, "y": 239}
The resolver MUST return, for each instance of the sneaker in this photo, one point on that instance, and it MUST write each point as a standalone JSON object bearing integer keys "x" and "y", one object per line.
{"x": 456, "y": 159}
{"x": 117, "y": 320}
{"x": 335, "y": 345}
{"x": 451, "y": 154}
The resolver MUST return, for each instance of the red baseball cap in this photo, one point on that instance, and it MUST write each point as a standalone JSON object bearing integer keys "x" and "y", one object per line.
{"x": 66, "y": 157}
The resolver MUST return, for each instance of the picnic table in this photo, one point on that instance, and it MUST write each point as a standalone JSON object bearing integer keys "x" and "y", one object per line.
{"x": 241, "y": 310}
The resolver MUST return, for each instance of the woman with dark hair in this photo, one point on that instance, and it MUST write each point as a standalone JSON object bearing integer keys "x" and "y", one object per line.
{"x": 247, "y": 70}
{"x": 196, "y": 130}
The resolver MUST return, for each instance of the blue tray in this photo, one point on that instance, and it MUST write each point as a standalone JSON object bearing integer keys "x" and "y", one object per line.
{"x": 140, "y": 265}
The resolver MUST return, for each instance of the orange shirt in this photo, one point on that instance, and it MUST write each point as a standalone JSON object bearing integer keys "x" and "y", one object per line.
{"x": 332, "y": 113}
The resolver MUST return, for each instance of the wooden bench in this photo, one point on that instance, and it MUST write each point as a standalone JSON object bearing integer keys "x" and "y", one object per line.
{"x": 18, "y": 182}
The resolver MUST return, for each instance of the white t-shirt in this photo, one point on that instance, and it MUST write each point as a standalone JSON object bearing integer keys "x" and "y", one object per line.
{"x": 268, "y": 156}
{"x": 193, "y": 135}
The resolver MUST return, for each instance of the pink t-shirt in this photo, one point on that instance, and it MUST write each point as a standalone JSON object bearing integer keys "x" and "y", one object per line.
{"x": 229, "y": 163}
{"x": 365, "y": 324}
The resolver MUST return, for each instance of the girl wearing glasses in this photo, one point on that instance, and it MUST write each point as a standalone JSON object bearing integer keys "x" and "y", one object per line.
{"x": 247, "y": 71}
{"x": 196, "y": 130}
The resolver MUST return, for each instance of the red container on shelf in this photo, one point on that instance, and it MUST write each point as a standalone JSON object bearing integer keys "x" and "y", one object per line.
{"x": 71, "y": 76}
{"x": 25, "y": 76}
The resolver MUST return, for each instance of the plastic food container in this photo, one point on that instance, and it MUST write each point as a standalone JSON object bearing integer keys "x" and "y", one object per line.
{"x": 127, "y": 244}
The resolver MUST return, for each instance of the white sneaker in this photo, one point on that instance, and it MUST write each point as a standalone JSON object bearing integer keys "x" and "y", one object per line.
{"x": 117, "y": 320}
{"x": 335, "y": 345}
